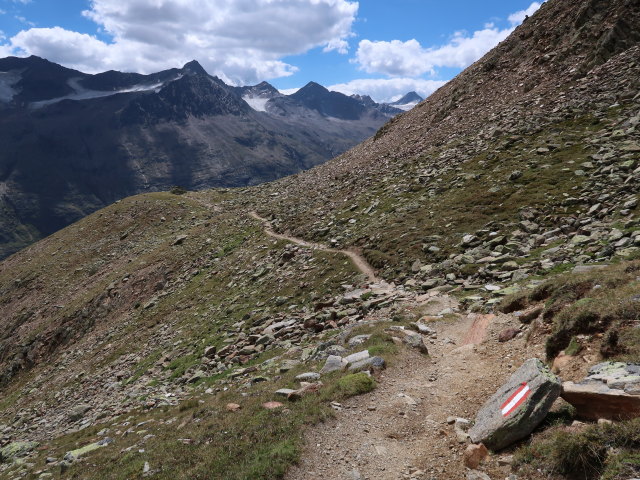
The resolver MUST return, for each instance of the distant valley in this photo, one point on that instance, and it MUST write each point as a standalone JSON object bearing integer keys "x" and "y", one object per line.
{"x": 74, "y": 143}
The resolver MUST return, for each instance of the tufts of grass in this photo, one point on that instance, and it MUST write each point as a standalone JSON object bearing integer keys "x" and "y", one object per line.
{"x": 604, "y": 301}
{"x": 354, "y": 384}
{"x": 607, "y": 451}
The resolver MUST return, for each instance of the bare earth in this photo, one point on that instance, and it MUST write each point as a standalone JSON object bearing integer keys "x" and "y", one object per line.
{"x": 357, "y": 259}
{"x": 400, "y": 430}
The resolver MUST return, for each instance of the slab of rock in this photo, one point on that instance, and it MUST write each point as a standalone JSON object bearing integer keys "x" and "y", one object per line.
{"x": 305, "y": 389}
{"x": 518, "y": 407}
{"x": 15, "y": 450}
{"x": 284, "y": 392}
{"x": 308, "y": 377}
{"x": 356, "y": 357}
{"x": 368, "y": 364}
{"x": 333, "y": 364}
{"x": 611, "y": 391}
{"x": 73, "y": 455}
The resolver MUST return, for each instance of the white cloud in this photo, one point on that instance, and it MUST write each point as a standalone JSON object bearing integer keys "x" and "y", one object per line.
{"x": 518, "y": 17}
{"x": 409, "y": 58}
{"x": 5, "y": 51}
{"x": 388, "y": 89}
{"x": 242, "y": 41}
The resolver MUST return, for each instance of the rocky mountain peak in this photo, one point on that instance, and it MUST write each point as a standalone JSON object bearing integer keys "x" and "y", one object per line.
{"x": 194, "y": 68}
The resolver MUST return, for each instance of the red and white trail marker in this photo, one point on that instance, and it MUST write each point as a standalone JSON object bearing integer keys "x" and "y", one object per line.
{"x": 515, "y": 400}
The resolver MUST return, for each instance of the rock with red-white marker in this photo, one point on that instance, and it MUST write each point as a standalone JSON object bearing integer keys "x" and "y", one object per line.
{"x": 518, "y": 407}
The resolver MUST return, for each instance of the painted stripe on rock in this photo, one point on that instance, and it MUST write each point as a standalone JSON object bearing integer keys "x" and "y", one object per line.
{"x": 515, "y": 400}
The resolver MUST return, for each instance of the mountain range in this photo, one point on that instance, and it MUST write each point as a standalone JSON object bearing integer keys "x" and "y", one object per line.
{"x": 73, "y": 142}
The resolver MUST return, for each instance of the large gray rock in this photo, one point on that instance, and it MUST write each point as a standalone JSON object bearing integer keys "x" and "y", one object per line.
{"x": 517, "y": 407}
{"x": 611, "y": 390}
{"x": 333, "y": 364}
{"x": 15, "y": 450}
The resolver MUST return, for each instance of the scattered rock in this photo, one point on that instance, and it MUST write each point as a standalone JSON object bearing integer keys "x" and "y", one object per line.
{"x": 77, "y": 412}
{"x": 233, "y": 407}
{"x": 476, "y": 475}
{"x": 272, "y": 405}
{"x": 508, "y": 334}
{"x": 474, "y": 455}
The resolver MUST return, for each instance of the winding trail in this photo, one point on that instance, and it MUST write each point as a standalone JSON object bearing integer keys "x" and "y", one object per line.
{"x": 358, "y": 260}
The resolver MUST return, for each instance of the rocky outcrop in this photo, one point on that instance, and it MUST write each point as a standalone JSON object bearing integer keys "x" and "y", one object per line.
{"x": 611, "y": 391}
{"x": 517, "y": 407}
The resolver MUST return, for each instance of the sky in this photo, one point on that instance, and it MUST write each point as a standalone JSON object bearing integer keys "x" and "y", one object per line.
{"x": 382, "y": 48}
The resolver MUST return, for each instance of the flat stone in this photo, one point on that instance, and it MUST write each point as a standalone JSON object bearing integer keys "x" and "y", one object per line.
{"x": 375, "y": 363}
{"x": 518, "y": 407}
{"x": 422, "y": 328}
{"x": 308, "y": 377}
{"x": 305, "y": 390}
{"x": 358, "y": 340}
{"x": 610, "y": 391}
{"x": 284, "y": 392}
{"x": 334, "y": 363}
{"x": 272, "y": 405}
{"x": 73, "y": 455}
{"x": 356, "y": 357}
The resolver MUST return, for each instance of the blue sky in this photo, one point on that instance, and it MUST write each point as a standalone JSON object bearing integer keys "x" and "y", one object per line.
{"x": 379, "y": 47}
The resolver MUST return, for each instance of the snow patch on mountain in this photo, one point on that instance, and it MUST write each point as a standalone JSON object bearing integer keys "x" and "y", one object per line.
{"x": 259, "y": 104}
{"x": 81, "y": 93}
{"x": 407, "y": 106}
{"x": 7, "y": 81}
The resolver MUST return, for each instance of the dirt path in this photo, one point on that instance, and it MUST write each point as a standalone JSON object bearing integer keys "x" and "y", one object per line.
{"x": 357, "y": 259}
{"x": 400, "y": 430}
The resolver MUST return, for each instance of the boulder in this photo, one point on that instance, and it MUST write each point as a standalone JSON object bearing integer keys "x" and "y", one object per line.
{"x": 15, "y": 450}
{"x": 611, "y": 391}
{"x": 518, "y": 407}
